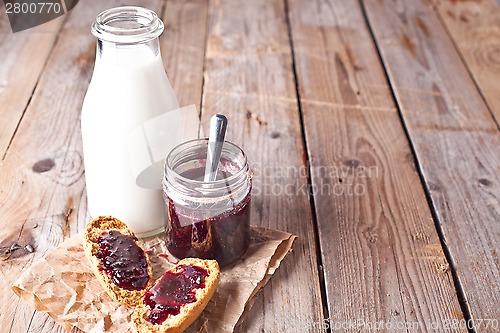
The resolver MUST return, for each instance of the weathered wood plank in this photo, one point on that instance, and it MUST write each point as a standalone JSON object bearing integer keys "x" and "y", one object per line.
{"x": 249, "y": 78}
{"x": 455, "y": 138}
{"x": 183, "y": 48}
{"x": 42, "y": 185}
{"x": 475, "y": 29}
{"x": 381, "y": 254}
{"x": 20, "y": 71}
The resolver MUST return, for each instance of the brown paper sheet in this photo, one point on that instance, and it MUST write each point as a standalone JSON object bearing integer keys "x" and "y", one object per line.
{"x": 63, "y": 285}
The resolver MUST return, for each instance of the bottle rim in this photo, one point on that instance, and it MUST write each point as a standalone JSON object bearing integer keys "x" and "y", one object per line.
{"x": 127, "y": 24}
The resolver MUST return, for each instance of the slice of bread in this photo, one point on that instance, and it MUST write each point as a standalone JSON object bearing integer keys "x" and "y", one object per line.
{"x": 93, "y": 231}
{"x": 188, "y": 312}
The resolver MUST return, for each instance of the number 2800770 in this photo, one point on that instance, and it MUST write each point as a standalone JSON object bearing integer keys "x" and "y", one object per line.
{"x": 33, "y": 8}
{"x": 493, "y": 324}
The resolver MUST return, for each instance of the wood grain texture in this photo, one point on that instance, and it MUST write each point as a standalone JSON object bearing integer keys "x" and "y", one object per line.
{"x": 20, "y": 71}
{"x": 475, "y": 28}
{"x": 382, "y": 256}
{"x": 249, "y": 78}
{"x": 183, "y": 48}
{"x": 42, "y": 185}
{"x": 455, "y": 138}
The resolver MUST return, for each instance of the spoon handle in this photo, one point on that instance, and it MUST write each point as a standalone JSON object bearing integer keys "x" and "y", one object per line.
{"x": 218, "y": 125}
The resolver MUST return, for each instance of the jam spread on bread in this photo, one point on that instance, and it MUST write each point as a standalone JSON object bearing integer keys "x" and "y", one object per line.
{"x": 173, "y": 290}
{"x": 123, "y": 260}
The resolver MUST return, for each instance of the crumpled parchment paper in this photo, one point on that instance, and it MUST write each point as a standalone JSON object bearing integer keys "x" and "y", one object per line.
{"x": 63, "y": 285}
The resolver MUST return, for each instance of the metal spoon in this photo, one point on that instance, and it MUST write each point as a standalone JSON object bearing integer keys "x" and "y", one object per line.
{"x": 201, "y": 233}
{"x": 218, "y": 126}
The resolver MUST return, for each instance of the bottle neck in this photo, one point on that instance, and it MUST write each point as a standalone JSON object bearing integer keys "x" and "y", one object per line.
{"x": 122, "y": 54}
{"x": 127, "y": 36}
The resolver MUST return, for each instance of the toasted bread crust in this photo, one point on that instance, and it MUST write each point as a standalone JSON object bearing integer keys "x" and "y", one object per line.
{"x": 93, "y": 231}
{"x": 189, "y": 312}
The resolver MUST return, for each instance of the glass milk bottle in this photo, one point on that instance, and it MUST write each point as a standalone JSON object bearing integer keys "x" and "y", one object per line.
{"x": 129, "y": 120}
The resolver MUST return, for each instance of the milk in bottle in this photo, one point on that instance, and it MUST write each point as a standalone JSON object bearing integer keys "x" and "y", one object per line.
{"x": 121, "y": 136}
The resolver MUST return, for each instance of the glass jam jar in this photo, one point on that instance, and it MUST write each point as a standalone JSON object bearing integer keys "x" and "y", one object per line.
{"x": 208, "y": 220}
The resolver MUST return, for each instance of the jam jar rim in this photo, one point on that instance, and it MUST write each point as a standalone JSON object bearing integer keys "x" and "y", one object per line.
{"x": 182, "y": 189}
{"x": 103, "y": 29}
{"x": 200, "y": 182}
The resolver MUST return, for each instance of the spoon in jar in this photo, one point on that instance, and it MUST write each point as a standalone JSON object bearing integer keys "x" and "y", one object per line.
{"x": 201, "y": 233}
{"x": 218, "y": 126}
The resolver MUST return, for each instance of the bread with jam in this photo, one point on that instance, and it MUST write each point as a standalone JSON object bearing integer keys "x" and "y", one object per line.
{"x": 178, "y": 297}
{"x": 117, "y": 259}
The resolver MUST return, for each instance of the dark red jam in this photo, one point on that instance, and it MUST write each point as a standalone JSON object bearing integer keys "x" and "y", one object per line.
{"x": 173, "y": 290}
{"x": 224, "y": 237}
{"x": 123, "y": 260}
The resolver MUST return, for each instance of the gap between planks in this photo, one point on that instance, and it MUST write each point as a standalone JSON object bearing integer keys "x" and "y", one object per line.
{"x": 42, "y": 70}
{"x": 366, "y": 138}
{"x": 458, "y": 287}
{"x": 319, "y": 257}
{"x": 469, "y": 64}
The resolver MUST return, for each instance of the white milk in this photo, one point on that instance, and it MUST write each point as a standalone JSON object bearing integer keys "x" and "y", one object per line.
{"x": 129, "y": 87}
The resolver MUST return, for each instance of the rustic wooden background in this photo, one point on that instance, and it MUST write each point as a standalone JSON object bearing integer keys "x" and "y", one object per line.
{"x": 379, "y": 118}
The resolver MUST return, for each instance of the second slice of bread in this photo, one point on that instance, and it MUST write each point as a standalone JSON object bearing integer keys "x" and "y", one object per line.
{"x": 93, "y": 231}
{"x": 188, "y": 312}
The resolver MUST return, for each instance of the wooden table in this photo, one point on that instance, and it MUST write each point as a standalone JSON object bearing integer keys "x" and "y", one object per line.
{"x": 372, "y": 127}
